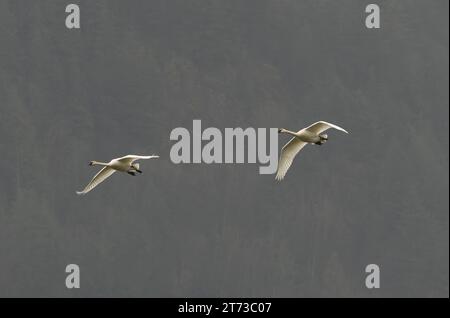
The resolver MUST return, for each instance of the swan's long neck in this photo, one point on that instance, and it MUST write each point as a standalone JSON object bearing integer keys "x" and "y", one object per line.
{"x": 293, "y": 133}
{"x": 98, "y": 163}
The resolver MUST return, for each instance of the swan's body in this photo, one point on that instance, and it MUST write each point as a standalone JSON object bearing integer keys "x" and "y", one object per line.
{"x": 309, "y": 135}
{"x": 124, "y": 164}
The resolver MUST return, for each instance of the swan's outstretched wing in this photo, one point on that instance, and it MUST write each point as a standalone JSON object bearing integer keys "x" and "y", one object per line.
{"x": 288, "y": 153}
{"x": 321, "y": 126}
{"x": 133, "y": 158}
{"x": 97, "y": 179}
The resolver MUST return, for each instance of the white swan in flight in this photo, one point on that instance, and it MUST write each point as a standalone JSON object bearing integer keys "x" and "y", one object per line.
{"x": 124, "y": 164}
{"x": 309, "y": 135}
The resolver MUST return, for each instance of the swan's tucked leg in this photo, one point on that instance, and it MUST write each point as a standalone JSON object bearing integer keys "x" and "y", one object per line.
{"x": 323, "y": 139}
{"x": 135, "y": 167}
{"x": 131, "y": 173}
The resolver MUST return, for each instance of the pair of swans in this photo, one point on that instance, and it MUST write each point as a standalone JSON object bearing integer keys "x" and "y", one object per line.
{"x": 312, "y": 134}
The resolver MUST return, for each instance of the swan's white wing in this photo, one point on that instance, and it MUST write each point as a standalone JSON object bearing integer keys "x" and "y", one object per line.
{"x": 321, "y": 126}
{"x": 132, "y": 158}
{"x": 97, "y": 179}
{"x": 288, "y": 153}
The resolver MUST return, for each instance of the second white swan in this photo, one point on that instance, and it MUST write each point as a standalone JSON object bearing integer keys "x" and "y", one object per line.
{"x": 312, "y": 134}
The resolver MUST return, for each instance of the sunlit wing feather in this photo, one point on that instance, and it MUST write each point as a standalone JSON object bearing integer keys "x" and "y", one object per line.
{"x": 320, "y": 126}
{"x": 101, "y": 176}
{"x": 133, "y": 158}
{"x": 288, "y": 153}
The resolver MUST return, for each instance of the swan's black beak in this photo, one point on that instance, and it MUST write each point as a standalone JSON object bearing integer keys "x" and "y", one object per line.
{"x": 279, "y": 131}
{"x": 91, "y": 163}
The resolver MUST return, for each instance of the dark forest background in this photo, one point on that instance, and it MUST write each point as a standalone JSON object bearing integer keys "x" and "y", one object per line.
{"x": 137, "y": 69}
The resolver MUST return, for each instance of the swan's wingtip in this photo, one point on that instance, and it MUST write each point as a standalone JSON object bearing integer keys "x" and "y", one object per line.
{"x": 80, "y": 192}
{"x": 342, "y": 129}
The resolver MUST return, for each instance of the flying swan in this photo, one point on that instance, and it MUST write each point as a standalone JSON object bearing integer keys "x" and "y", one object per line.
{"x": 309, "y": 135}
{"x": 124, "y": 164}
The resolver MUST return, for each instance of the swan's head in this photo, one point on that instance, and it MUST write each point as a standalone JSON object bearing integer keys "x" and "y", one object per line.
{"x": 323, "y": 137}
{"x": 91, "y": 163}
{"x": 281, "y": 130}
